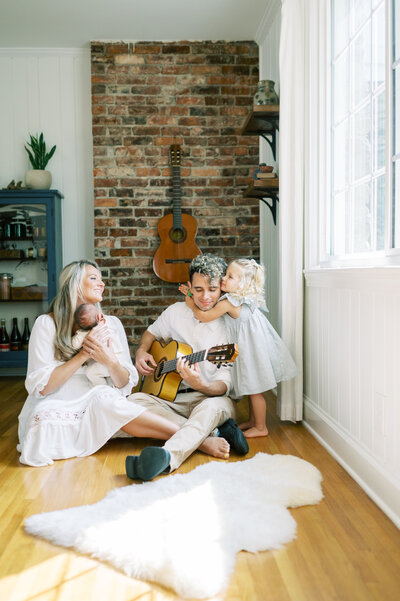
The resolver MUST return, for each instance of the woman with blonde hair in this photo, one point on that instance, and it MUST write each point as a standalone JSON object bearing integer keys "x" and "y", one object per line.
{"x": 64, "y": 415}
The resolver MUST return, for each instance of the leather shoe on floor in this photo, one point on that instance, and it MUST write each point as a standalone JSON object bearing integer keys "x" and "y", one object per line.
{"x": 233, "y": 434}
{"x": 151, "y": 462}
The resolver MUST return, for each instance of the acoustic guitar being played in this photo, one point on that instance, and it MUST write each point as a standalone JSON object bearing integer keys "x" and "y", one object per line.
{"x": 177, "y": 233}
{"x": 165, "y": 380}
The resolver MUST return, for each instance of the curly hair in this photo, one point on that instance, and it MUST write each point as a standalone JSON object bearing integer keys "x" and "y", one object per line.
{"x": 208, "y": 265}
{"x": 252, "y": 280}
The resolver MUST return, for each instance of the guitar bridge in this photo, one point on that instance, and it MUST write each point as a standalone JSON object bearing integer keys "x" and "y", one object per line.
{"x": 178, "y": 260}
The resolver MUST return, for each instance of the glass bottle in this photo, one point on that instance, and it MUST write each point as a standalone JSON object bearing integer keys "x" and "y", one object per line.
{"x": 26, "y": 335}
{"x": 4, "y": 338}
{"x": 15, "y": 339}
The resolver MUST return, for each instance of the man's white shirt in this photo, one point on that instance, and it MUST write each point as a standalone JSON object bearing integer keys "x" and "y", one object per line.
{"x": 178, "y": 323}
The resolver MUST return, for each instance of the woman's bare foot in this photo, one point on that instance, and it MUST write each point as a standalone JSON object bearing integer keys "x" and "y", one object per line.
{"x": 246, "y": 425}
{"x": 255, "y": 432}
{"x": 215, "y": 446}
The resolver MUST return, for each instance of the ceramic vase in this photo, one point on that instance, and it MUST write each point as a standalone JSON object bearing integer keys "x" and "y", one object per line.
{"x": 38, "y": 179}
{"x": 265, "y": 93}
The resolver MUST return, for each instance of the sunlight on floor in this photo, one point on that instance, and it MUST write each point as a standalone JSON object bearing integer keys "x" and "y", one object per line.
{"x": 70, "y": 577}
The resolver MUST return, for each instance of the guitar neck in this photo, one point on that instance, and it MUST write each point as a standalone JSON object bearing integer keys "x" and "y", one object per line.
{"x": 176, "y": 197}
{"x": 170, "y": 365}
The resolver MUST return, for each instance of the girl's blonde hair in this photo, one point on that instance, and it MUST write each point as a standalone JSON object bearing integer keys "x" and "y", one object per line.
{"x": 63, "y": 306}
{"x": 252, "y": 280}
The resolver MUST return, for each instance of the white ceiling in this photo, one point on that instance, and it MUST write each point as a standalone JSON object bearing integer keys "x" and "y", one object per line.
{"x": 74, "y": 23}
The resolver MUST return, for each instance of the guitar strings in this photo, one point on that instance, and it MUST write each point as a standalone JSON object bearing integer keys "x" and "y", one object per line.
{"x": 170, "y": 365}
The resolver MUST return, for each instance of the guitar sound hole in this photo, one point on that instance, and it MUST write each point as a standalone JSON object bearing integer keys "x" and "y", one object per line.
{"x": 157, "y": 374}
{"x": 178, "y": 235}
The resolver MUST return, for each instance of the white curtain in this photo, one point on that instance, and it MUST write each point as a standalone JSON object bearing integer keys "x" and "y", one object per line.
{"x": 291, "y": 198}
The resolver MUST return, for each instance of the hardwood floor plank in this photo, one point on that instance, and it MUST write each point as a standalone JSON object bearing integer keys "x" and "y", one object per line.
{"x": 346, "y": 549}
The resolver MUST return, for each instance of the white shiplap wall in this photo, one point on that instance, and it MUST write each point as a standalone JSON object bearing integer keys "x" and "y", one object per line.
{"x": 352, "y": 386}
{"x": 49, "y": 90}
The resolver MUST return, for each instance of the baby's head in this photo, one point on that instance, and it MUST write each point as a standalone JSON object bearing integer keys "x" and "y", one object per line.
{"x": 245, "y": 277}
{"x": 86, "y": 316}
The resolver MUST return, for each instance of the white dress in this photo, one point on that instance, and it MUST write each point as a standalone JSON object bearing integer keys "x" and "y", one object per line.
{"x": 76, "y": 419}
{"x": 263, "y": 358}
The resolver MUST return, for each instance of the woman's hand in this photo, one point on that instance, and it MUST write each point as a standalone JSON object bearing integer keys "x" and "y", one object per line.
{"x": 97, "y": 345}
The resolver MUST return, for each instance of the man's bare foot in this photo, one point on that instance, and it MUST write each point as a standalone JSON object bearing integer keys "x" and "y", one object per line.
{"x": 215, "y": 446}
{"x": 246, "y": 425}
{"x": 255, "y": 432}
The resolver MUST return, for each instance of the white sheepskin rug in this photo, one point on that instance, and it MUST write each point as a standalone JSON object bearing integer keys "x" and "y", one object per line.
{"x": 184, "y": 530}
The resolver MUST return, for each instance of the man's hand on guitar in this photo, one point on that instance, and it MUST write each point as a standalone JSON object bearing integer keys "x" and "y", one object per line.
{"x": 144, "y": 362}
{"x": 190, "y": 373}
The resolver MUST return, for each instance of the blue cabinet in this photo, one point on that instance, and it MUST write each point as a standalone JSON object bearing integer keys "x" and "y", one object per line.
{"x": 30, "y": 259}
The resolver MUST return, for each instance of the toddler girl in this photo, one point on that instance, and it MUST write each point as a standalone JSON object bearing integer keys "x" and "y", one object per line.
{"x": 263, "y": 358}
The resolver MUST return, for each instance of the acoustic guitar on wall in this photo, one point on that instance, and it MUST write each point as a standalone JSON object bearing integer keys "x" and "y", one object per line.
{"x": 177, "y": 233}
{"x": 164, "y": 381}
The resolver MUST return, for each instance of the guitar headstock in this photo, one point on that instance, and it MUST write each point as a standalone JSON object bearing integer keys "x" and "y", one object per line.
{"x": 222, "y": 354}
{"x": 175, "y": 155}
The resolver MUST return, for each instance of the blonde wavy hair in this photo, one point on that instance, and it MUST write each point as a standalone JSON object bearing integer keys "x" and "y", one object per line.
{"x": 252, "y": 280}
{"x": 63, "y": 306}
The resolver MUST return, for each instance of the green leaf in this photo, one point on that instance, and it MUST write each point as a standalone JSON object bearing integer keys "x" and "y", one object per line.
{"x": 39, "y": 157}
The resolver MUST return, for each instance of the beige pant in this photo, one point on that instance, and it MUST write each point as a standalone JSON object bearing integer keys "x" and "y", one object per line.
{"x": 196, "y": 415}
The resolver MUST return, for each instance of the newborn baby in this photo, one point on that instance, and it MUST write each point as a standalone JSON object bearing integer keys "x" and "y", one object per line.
{"x": 87, "y": 316}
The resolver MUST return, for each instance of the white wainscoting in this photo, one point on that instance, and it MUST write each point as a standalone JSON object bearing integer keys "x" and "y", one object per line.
{"x": 351, "y": 372}
{"x": 49, "y": 90}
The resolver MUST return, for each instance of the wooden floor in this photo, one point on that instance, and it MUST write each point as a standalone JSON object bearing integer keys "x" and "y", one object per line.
{"x": 346, "y": 549}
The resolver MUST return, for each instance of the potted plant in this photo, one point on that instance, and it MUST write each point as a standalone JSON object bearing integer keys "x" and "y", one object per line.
{"x": 37, "y": 177}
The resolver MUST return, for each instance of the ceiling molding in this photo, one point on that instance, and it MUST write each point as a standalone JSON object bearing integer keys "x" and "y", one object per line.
{"x": 272, "y": 10}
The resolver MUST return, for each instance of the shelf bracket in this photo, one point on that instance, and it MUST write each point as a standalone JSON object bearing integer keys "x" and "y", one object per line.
{"x": 274, "y": 197}
{"x": 271, "y": 139}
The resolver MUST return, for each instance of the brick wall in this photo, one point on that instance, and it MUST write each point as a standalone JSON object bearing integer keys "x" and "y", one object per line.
{"x": 145, "y": 97}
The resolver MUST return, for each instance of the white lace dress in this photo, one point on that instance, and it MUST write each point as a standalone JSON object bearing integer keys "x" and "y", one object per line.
{"x": 76, "y": 419}
{"x": 263, "y": 358}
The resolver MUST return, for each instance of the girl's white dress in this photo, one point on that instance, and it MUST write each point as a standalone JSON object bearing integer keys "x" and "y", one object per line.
{"x": 263, "y": 358}
{"x": 76, "y": 419}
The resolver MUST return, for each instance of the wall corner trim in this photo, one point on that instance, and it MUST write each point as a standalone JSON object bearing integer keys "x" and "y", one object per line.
{"x": 273, "y": 8}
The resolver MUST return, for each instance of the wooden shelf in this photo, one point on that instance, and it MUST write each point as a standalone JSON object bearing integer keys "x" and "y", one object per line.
{"x": 262, "y": 119}
{"x": 259, "y": 190}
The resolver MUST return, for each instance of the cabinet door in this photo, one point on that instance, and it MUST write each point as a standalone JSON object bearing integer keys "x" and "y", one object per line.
{"x": 30, "y": 260}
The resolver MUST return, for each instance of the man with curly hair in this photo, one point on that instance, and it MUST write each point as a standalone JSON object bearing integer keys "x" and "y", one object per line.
{"x": 202, "y": 405}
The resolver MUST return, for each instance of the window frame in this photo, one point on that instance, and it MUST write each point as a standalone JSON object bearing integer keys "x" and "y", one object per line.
{"x": 389, "y": 255}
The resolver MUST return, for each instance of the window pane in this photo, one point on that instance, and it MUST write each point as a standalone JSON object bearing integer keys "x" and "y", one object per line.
{"x": 362, "y": 9}
{"x": 339, "y": 224}
{"x": 341, "y": 92}
{"x": 380, "y": 133}
{"x": 378, "y": 49}
{"x": 397, "y": 111}
{"x": 396, "y": 29}
{"x": 341, "y": 157}
{"x": 362, "y": 64}
{"x": 362, "y": 142}
{"x": 380, "y": 213}
{"x": 362, "y": 218}
{"x": 341, "y": 25}
{"x": 396, "y": 205}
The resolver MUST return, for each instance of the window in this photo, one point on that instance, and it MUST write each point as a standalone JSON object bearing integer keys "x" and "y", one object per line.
{"x": 364, "y": 215}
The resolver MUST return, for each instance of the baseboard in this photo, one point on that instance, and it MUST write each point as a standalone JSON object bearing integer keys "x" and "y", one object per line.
{"x": 371, "y": 476}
